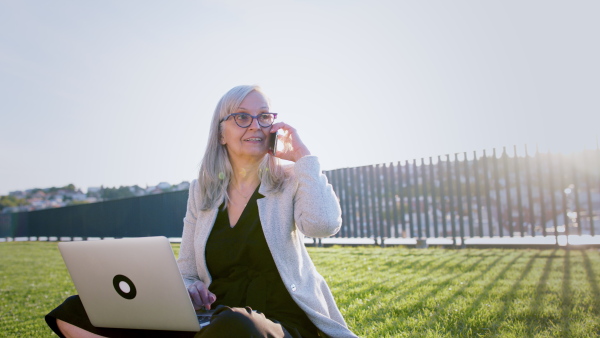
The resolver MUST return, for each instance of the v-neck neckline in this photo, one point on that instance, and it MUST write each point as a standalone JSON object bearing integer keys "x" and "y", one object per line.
{"x": 252, "y": 199}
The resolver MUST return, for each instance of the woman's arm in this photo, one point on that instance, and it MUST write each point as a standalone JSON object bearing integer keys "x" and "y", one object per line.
{"x": 201, "y": 297}
{"x": 317, "y": 210}
{"x": 187, "y": 255}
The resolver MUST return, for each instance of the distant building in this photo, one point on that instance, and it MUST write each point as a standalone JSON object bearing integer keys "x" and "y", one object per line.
{"x": 183, "y": 186}
{"x": 79, "y": 196}
{"x": 137, "y": 190}
{"x": 17, "y": 194}
{"x": 164, "y": 186}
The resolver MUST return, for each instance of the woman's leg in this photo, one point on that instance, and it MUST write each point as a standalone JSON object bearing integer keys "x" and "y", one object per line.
{"x": 242, "y": 322}
{"x": 72, "y": 331}
{"x": 70, "y": 320}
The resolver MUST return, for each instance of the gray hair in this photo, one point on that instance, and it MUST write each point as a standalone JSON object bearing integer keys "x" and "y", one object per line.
{"x": 215, "y": 168}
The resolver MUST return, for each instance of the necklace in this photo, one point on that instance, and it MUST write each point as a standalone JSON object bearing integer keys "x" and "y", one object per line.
{"x": 240, "y": 193}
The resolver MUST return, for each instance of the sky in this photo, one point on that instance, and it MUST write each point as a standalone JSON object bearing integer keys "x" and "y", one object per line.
{"x": 121, "y": 92}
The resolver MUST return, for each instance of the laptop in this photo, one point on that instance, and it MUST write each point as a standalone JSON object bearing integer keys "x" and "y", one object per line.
{"x": 131, "y": 283}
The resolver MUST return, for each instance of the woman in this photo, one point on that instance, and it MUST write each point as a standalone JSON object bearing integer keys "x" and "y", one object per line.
{"x": 243, "y": 232}
{"x": 242, "y": 250}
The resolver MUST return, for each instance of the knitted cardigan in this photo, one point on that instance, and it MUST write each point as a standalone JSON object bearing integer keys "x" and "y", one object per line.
{"x": 307, "y": 205}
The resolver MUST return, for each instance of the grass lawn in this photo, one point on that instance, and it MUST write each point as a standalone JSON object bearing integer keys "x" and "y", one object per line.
{"x": 390, "y": 292}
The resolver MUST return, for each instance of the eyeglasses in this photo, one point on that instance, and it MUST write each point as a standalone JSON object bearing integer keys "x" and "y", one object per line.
{"x": 244, "y": 120}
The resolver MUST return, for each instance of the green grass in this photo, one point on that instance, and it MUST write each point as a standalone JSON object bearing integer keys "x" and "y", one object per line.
{"x": 390, "y": 292}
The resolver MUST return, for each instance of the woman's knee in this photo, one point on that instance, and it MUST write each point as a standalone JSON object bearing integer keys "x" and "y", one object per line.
{"x": 70, "y": 330}
{"x": 235, "y": 322}
{"x": 236, "y": 319}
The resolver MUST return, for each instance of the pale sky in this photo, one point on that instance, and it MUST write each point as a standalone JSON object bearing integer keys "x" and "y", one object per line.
{"x": 121, "y": 92}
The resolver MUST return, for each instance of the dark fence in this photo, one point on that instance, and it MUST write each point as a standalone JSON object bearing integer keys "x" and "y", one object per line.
{"x": 487, "y": 195}
{"x": 153, "y": 215}
{"x": 454, "y": 197}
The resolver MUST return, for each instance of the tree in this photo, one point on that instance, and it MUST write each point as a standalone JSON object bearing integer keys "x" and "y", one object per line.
{"x": 115, "y": 193}
{"x": 11, "y": 201}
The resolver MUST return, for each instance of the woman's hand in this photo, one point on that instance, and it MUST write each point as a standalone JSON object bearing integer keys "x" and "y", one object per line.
{"x": 201, "y": 297}
{"x": 293, "y": 148}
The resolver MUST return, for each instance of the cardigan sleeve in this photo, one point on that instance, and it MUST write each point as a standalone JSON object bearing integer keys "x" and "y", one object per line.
{"x": 187, "y": 258}
{"x": 317, "y": 211}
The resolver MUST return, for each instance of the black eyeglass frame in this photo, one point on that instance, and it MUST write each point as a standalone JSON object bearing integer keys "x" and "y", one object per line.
{"x": 252, "y": 117}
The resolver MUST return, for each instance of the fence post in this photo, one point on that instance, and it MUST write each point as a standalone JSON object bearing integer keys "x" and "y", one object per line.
{"x": 529, "y": 193}
{"x": 380, "y": 203}
{"x": 589, "y": 194}
{"x": 540, "y": 182}
{"x": 478, "y": 193}
{"x": 488, "y": 199}
{"x": 575, "y": 192}
{"x": 425, "y": 198}
{"x": 433, "y": 198}
{"x": 442, "y": 196}
{"x": 374, "y": 201}
{"x": 461, "y": 221}
{"x": 552, "y": 196}
{"x": 346, "y": 186}
{"x": 417, "y": 199}
{"x": 353, "y": 193}
{"x": 363, "y": 202}
{"x": 518, "y": 185}
{"x": 393, "y": 187}
{"x": 389, "y": 209}
{"x": 561, "y": 177}
{"x": 410, "y": 200}
{"x": 498, "y": 199}
{"x": 401, "y": 194}
{"x": 451, "y": 201}
{"x": 507, "y": 190}
{"x": 469, "y": 198}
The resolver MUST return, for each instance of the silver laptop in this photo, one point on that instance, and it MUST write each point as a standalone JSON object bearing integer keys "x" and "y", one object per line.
{"x": 131, "y": 283}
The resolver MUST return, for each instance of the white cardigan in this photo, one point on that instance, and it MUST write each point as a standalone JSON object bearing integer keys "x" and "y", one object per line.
{"x": 307, "y": 205}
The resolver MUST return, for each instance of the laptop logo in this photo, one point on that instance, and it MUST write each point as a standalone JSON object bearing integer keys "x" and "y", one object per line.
{"x": 124, "y": 287}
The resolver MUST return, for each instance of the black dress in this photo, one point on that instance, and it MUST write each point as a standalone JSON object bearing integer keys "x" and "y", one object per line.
{"x": 244, "y": 273}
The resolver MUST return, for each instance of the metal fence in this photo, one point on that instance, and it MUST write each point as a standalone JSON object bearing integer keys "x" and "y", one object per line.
{"x": 453, "y": 197}
{"x": 484, "y": 195}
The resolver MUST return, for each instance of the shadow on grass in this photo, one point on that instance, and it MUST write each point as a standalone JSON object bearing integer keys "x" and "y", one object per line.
{"x": 418, "y": 307}
{"x": 398, "y": 285}
{"x": 509, "y": 296}
{"x": 356, "y": 287}
{"x": 567, "y": 305}
{"x": 538, "y": 297}
{"x": 389, "y": 268}
{"x": 423, "y": 267}
{"x": 442, "y": 307}
{"x": 382, "y": 312}
{"x": 591, "y": 277}
{"x": 362, "y": 290}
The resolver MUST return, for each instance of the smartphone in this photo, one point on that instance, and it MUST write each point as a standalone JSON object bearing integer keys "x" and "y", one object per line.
{"x": 273, "y": 143}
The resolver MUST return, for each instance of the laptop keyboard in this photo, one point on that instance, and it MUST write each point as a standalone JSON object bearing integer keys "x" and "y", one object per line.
{"x": 204, "y": 317}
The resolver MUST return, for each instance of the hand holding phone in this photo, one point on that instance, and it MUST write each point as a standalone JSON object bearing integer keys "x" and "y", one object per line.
{"x": 273, "y": 143}
{"x": 292, "y": 148}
